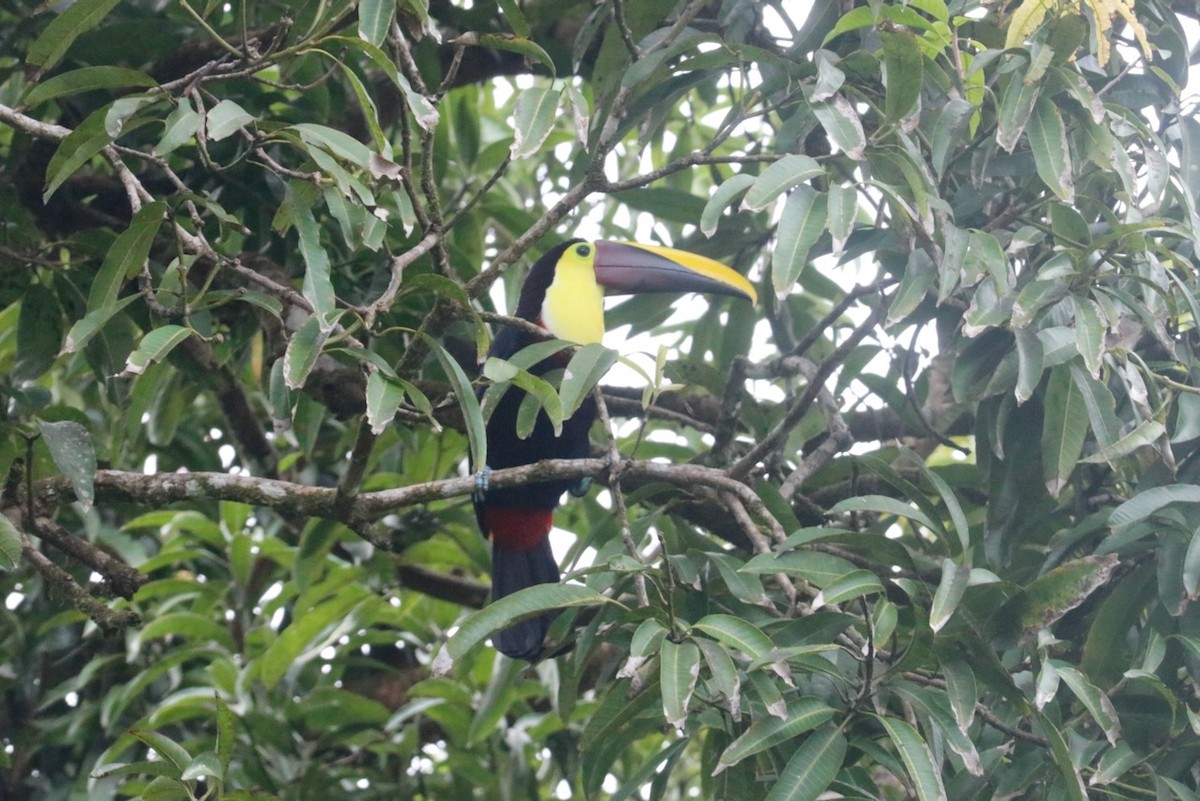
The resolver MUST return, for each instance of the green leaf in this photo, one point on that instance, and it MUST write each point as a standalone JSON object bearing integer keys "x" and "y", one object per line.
{"x": 723, "y": 674}
{"x": 318, "y": 285}
{"x": 1030, "y": 363}
{"x": 917, "y": 758}
{"x": 736, "y": 633}
{"x": 1089, "y": 334}
{"x": 1145, "y": 434}
{"x": 781, "y": 176}
{"x": 88, "y": 139}
{"x": 499, "y": 371}
{"x": 327, "y": 618}
{"x": 383, "y": 400}
{"x": 587, "y": 366}
{"x": 534, "y": 118}
{"x": 745, "y": 587}
{"x": 1147, "y": 502}
{"x": 821, "y": 569}
{"x": 1016, "y": 106}
{"x": 167, "y": 748}
{"x": 39, "y": 333}
{"x": 87, "y": 79}
{"x": 949, "y": 592}
{"x": 375, "y": 20}
{"x": 127, "y": 255}
{"x": 1056, "y": 592}
{"x": 903, "y": 65}
{"x": 803, "y": 714}
{"x": 949, "y": 133}
{"x": 81, "y": 332}
{"x": 181, "y": 125}
{"x": 338, "y": 143}
{"x": 74, "y": 454}
{"x": 1048, "y": 139}
{"x": 722, "y": 199}
{"x": 884, "y": 505}
{"x": 503, "y": 612}
{"x": 203, "y": 766}
{"x": 800, "y": 225}
{"x": 10, "y": 544}
{"x": 812, "y": 767}
{"x": 647, "y": 638}
{"x": 961, "y": 527}
{"x": 225, "y": 119}
{"x": 518, "y": 44}
{"x": 1064, "y": 429}
{"x": 424, "y": 112}
{"x": 1034, "y": 297}
{"x": 53, "y": 42}
{"x": 514, "y": 17}
{"x": 855, "y": 584}
{"x": 657, "y": 767}
{"x": 920, "y": 273}
{"x": 467, "y": 401}
{"x": 303, "y": 349}
{"x": 154, "y": 347}
{"x": 679, "y": 665}
{"x": 961, "y": 690}
{"x": 841, "y": 121}
{"x": 1098, "y": 704}
{"x": 1061, "y": 755}
{"x": 842, "y": 214}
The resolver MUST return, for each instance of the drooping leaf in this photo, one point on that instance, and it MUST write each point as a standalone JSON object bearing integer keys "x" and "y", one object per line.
{"x": 155, "y": 346}
{"x": 803, "y": 714}
{"x": 679, "y": 666}
{"x": 504, "y": 612}
{"x": 949, "y": 592}
{"x": 903, "y": 64}
{"x": 722, "y": 199}
{"x": 74, "y": 454}
{"x": 375, "y": 20}
{"x": 917, "y": 758}
{"x": 587, "y": 366}
{"x": 87, "y": 79}
{"x": 1048, "y": 138}
{"x": 53, "y": 42}
{"x": 1064, "y": 429}
{"x": 79, "y": 146}
{"x": 536, "y": 113}
{"x": 800, "y": 225}
{"x": 781, "y": 176}
{"x": 127, "y": 255}
{"x": 10, "y": 544}
{"x": 302, "y": 352}
{"x": 812, "y": 768}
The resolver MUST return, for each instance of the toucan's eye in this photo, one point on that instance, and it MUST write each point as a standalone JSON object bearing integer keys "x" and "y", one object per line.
{"x": 583, "y": 250}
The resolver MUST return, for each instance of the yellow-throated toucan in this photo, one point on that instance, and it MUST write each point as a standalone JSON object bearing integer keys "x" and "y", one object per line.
{"x": 564, "y": 294}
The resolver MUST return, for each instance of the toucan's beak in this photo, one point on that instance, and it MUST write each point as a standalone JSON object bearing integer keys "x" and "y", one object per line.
{"x": 630, "y": 268}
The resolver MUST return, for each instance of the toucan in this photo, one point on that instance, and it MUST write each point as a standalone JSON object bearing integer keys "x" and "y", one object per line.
{"x": 564, "y": 295}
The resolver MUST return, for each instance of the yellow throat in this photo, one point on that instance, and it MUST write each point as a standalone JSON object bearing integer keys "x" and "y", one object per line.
{"x": 574, "y": 306}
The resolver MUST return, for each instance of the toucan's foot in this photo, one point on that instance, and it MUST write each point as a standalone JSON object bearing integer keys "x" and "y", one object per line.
{"x": 481, "y": 484}
{"x": 581, "y": 487}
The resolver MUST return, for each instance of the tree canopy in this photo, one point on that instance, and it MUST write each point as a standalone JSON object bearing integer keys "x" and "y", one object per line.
{"x": 923, "y": 523}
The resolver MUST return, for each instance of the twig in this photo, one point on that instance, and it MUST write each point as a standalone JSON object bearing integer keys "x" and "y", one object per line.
{"x": 796, "y": 412}
{"x": 618, "y": 13}
{"x": 110, "y": 621}
{"x": 614, "y": 488}
{"x": 837, "y": 440}
{"x": 123, "y": 579}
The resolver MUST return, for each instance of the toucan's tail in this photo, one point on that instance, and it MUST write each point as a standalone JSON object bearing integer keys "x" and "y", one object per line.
{"x": 512, "y": 570}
